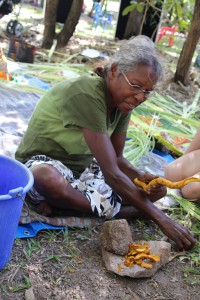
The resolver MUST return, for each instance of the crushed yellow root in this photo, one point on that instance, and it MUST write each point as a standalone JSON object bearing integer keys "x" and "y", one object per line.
{"x": 137, "y": 254}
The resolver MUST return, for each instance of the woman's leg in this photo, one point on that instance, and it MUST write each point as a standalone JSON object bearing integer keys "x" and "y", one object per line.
{"x": 192, "y": 190}
{"x": 185, "y": 166}
{"x": 128, "y": 211}
{"x": 57, "y": 191}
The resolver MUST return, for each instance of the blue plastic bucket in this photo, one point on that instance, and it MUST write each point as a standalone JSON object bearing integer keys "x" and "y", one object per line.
{"x": 15, "y": 181}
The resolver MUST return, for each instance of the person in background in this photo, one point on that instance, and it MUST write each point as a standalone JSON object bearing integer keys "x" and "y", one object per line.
{"x": 75, "y": 139}
{"x": 188, "y": 165}
{"x": 90, "y": 14}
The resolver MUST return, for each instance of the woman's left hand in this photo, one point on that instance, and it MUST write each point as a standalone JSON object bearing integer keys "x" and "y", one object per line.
{"x": 154, "y": 192}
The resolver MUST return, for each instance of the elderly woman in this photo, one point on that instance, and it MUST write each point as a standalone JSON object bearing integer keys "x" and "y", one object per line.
{"x": 86, "y": 118}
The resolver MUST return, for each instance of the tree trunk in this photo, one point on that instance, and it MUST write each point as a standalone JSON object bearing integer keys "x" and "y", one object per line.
{"x": 70, "y": 24}
{"x": 185, "y": 59}
{"x": 133, "y": 23}
{"x": 49, "y": 23}
{"x": 145, "y": 22}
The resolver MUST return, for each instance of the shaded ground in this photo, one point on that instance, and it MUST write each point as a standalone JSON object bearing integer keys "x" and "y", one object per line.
{"x": 66, "y": 265}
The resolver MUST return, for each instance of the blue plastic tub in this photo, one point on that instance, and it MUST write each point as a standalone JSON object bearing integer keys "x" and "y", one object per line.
{"x": 15, "y": 181}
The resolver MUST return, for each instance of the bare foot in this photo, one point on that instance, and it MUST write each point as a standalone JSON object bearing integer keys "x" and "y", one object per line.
{"x": 44, "y": 209}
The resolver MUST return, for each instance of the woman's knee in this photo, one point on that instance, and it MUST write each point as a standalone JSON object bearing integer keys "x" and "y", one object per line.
{"x": 47, "y": 177}
{"x": 174, "y": 171}
{"x": 191, "y": 191}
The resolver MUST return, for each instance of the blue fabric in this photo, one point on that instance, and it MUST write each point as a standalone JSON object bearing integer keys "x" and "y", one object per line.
{"x": 36, "y": 82}
{"x": 167, "y": 157}
{"x": 33, "y": 81}
{"x": 31, "y": 229}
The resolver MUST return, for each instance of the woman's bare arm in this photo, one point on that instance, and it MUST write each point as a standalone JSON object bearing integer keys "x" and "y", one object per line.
{"x": 118, "y": 141}
{"x": 103, "y": 150}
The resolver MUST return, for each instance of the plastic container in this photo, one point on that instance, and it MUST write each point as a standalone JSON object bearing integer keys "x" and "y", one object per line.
{"x": 3, "y": 62}
{"x": 4, "y": 66}
{"x": 5, "y": 76}
{"x": 21, "y": 51}
{"x": 15, "y": 181}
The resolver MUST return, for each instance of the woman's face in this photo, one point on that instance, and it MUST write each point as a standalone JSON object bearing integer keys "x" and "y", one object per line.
{"x": 130, "y": 89}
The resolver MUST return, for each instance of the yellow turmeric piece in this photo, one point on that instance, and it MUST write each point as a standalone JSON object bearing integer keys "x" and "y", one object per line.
{"x": 165, "y": 182}
{"x": 119, "y": 268}
{"x": 138, "y": 253}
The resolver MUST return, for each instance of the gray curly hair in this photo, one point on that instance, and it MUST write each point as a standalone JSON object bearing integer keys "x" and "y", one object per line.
{"x": 139, "y": 50}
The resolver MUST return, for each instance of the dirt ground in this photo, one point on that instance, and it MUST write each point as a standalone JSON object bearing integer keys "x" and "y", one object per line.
{"x": 67, "y": 265}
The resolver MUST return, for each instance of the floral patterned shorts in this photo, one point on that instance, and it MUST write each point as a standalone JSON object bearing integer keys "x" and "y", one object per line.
{"x": 103, "y": 200}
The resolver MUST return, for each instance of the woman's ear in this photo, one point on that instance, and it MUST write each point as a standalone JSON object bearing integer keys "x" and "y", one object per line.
{"x": 113, "y": 71}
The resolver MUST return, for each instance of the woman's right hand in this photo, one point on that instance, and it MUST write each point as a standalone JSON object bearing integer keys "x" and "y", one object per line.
{"x": 155, "y": 192}
{"x": 183, "y": 238}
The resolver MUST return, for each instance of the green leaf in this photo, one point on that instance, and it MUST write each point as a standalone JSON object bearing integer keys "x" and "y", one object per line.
{"x": 25, "y": 286}
{"x": 128, "y": 9}
{"x": 179, "y": 10}
{"x": 190, "y": 207}
{"x": 183, "y": 24}
{"x": 168, "y": 5}
{"x": 140, "y": 7}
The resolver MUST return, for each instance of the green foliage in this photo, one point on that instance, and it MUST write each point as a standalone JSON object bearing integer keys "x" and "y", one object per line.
{"x": 179, "y": 12}
{"x": 192, "y": 273}
{"x": 174, "y": 12}
{"x": 33, "y": 246}
{"x": 129, "y": 8}
{"x": 140, "y": 142}
{"x": 182, "y": 215}
{"x": 20, "y": 287}
{"x": 190, "y": 207}
{"x": 140, "y": 7}
{"x": 132, "y": 6}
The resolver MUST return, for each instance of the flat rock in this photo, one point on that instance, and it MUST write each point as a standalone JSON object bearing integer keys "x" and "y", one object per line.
{"x": 157, "y": 247}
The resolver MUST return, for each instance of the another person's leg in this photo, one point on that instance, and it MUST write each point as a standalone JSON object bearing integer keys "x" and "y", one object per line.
{"x": 183, "y": 167}
{"x": 191, "y": 191}
{"x": 186, "y": 166}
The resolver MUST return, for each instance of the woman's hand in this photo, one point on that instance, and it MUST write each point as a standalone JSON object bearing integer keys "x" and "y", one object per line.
{"x": 183, "y": 238}
{"x": 154, "y": 192}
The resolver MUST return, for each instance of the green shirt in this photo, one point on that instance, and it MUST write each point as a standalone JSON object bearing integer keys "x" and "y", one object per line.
{"x": 55, "y": 128}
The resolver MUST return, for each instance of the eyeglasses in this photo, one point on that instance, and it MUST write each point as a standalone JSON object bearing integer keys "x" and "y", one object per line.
{"x": 136, "y": 88}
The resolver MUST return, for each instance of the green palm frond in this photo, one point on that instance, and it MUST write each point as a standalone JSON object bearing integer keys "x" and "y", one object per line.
{"x": 190, "y": 207}
{"x": 139, "y": 143}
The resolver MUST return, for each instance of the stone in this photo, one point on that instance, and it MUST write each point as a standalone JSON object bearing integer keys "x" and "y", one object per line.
{"x": 156, "y": 247}
{"x": 29, "y": 294}
{"x": 115, "y": 236}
